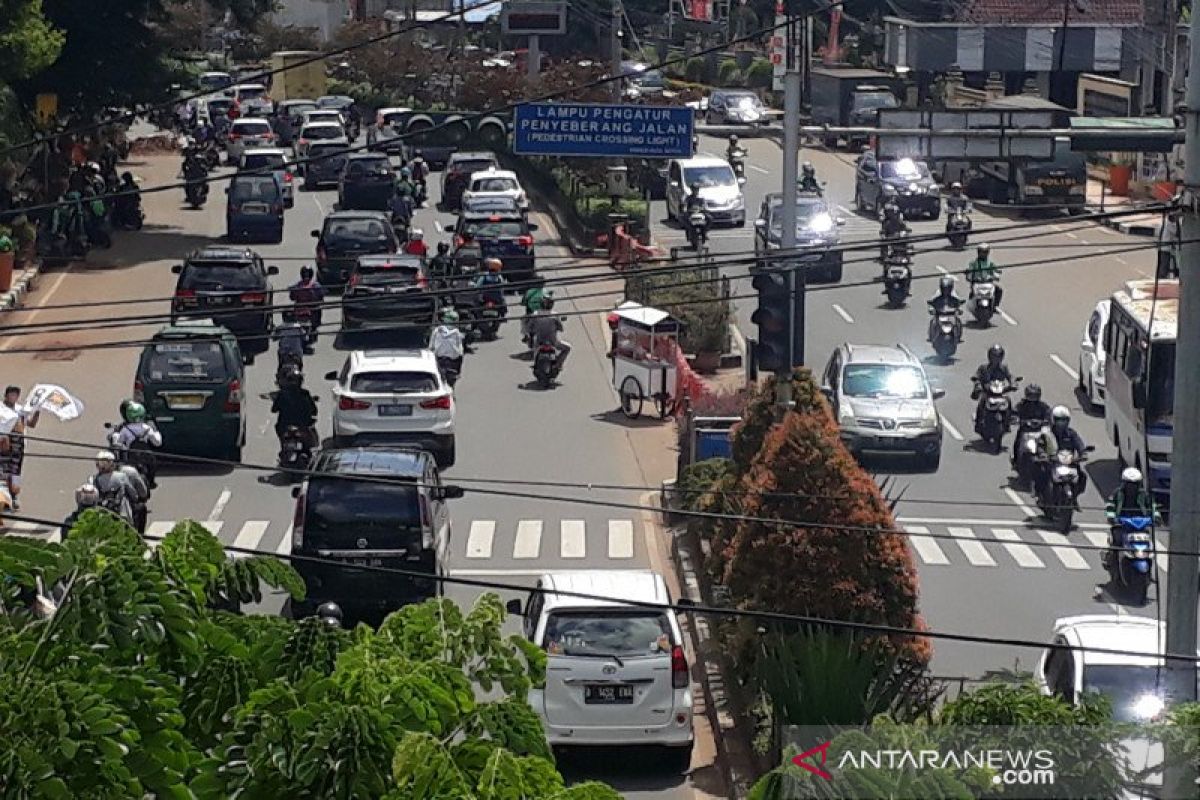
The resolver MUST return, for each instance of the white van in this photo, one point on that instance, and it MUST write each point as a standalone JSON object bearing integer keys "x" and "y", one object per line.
{"x": 720, "y": 189}
{"x": 616, "y": 673}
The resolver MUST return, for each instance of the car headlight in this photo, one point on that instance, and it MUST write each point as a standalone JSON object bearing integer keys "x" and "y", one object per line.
{"x": 739, "y": 202}
{"x": 929, "y": 422}
{"x": 935, "y": 189}
{"x": 889, "y": 189}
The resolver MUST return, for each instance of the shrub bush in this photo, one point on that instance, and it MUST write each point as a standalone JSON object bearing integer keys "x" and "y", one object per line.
{"x": 760, "y": 74}
{"x": 726, "y": 71}
{"x": 699, "y": 480}
{"x": 694, "y": 70}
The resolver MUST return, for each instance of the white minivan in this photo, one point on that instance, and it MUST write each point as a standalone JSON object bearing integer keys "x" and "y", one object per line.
{"x": 720, "y": 189}
{"x": 616, "y": 673}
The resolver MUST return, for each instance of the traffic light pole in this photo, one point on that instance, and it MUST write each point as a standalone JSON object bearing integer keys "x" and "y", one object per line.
{"x": 791, "y": 179}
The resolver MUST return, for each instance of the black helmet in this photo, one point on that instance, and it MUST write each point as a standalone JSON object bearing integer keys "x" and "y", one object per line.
{"x": 127, "y": 176}
{"x": 547, "y": 301}
{"x": 891, "y": 209}
{"x": 443, "y": 248}
{"x": 695, "y": 187}
{"x": 306, "y": 273}
{"x": 1033, "y": 393}
{"x": 946, "y": 284}
{"x": 291, "y": 375}
{"x": 330, "y": 613}
{"x": 995, "y": 354}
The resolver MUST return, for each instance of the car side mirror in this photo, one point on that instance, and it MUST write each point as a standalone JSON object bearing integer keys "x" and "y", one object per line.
{"x": 533, "y": 226}
{"x": 741, "y": 180}
{"x": 685, "y": 602}
{"x": 1091, "y": 448}
{"x": 513, "y": 607}
{"x": 840, "y": 221}
{"x": 760, "y": 223}
{"x": 177, "y": 269}
{"x": 331, "y": 376}
{"x": 272, "y": 270}
{"x": 451, "y": 492}
{"x": 315, "y": 234}
{"x": 295, "y": 491}
{"x": 939, "y": 393}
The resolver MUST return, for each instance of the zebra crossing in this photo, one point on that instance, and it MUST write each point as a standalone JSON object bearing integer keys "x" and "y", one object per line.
{"x": 525, "y": 541}
{"x": 990, "y": 546}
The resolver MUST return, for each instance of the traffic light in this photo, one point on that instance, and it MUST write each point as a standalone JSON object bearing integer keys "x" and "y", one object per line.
{"x": 773, "y": 317}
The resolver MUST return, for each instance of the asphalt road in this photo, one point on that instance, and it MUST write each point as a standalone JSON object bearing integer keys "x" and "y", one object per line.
{"x": 506, "y": 427}
{"x": 1017, "y": 587}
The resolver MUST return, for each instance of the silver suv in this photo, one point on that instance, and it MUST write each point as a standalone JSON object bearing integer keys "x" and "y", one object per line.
{"x": 883, "y": 402}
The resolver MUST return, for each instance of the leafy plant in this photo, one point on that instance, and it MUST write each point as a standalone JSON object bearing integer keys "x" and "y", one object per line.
{"x": 695, "y": 69}
{"x": 726, "y": 72}
{"x": 761, "y": 74}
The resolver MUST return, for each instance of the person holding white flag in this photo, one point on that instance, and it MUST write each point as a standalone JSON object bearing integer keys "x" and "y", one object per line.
{"x": 27, "y": 419}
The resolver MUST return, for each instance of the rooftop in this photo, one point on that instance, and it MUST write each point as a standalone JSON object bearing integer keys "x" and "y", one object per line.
{"x": 1082, "y": 12}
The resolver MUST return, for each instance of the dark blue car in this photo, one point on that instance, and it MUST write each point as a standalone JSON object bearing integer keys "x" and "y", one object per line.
{"x": 255, "y": 208}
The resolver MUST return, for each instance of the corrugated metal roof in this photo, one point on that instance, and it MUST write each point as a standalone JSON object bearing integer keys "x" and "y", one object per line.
{"x": 1017, "y": 12}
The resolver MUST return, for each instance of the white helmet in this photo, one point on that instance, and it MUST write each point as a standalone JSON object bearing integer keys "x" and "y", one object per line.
{"x": 87, "y": 495}
{"x": 106, "y": 455}
{"x": 1131, "y": 475}
{"x": 417, "y": 234}
{"x": 1061, "y": 412}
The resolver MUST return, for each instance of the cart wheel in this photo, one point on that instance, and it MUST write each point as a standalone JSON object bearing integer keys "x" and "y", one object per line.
{"x": 631, "y": 397}
{"x": 663, "y": 404}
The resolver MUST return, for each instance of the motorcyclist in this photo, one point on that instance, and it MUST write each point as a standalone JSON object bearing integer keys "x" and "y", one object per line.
{"x": 545, "y": 328}
{"x": 136, "y": 429}
{"x": 293, "y": 405}
{"x": 893, "y": 220}
{"x": 128, "y": 202}
{"x": 984, "y": 270}
{"x": 441, "y": 266}
{"x": 139, "y": 507}
{"x": 694, "y": 203}
{"x": 1061, "y": 437}
{"x": 956, "y": 200}
{"x": 86, "y": 496}
{"x": 1129, "y": 500}
{"x": 307, "y": 295}
{"x": 994, "y": 370}
{"x": 944, "y": 302}
{"x": 1033, "y": 410}
{"x": 194, "y": 172}
{"x": 446, "y": 341}
{"x": 415, "y": 245}
{"x": 532, "y": 301}
{"x": 291, "y": 337}
{"x": 404, "y": 183}
{"x": 734, "y": 150}
{"x": 401, "y": 206}
{"x": 490, "y": 284}
{"x": 808, "y": 178}
{"x": 117, "y": 494}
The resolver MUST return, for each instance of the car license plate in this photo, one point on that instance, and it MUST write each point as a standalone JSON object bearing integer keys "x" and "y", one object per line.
{"x": 254, "y": 208}
{"x": 395, "y": 411}
{"x": 185, "y": 402}
{"x": 608, "y": 693}
{"x": 366, "y": 562}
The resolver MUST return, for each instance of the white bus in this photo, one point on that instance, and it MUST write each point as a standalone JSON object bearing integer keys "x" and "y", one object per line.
{"x": 1140, "y": 377}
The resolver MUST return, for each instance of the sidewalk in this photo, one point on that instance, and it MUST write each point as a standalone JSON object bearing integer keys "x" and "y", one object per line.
{"x": 24, "y": 280}
{"x": 1098, "y": 199}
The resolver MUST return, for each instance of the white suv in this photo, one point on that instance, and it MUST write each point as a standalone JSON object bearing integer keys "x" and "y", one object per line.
{"x": 397, "y": 396}
{"x": 616, "y": 673}
{"x": 496, "y": 183}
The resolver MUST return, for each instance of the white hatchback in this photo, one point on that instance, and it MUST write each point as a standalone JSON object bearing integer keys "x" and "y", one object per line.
{"x": 317, "y": 132}
{"x": 616, "y": 673}
{"x": 324, "y": 115}
{"x": 495, "y": 183}
{"x": 396, "y": 396}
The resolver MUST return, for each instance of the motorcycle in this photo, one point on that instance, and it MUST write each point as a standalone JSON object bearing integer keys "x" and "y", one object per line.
{"x": 310, "y": 320}
{"x": 488, "y": 321}
{"x": 400, "y": 228}
{"x": 139, "y": 455}
{"x": 1027, "y": 448}
{"x": 1057, "y": 499}
{"x": 546, "y": 365}
{"x": 210, "y": 154}
{"x": 944, "y": 333}
{"x": 958, "y": 225}
{"x": 295, "y": 448}
{"x": 449, "y": 369}
{"x": 196, "y": 194}
{"x": 737, "y": 160}
{"x": 127, "y": 213}
{"x": 982, "y": 302}
{"x": 994, "y": 414}
{"x": 897, "y": 281}
{"x": 893, "y": 243}
{"x": 697, "y": 232}
{"x": 421, "y": 194}
{"x": 1132, "y": 565}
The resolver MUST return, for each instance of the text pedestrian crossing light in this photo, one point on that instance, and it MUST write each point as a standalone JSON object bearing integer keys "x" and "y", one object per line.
{"x": 773, "y": 318}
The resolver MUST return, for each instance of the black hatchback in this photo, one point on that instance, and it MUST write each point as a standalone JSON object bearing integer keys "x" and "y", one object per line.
{"x": 230, "y": 286}
{"x": 388, "y": 291}
{"x": 347, "y": 235}
{"x": 367, "y": 181}
{"x": 458, "y": 172}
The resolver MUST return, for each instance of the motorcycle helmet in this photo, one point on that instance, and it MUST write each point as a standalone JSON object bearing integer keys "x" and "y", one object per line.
{"x": 127, "y": 177}
{"x": 733, "y": 140}
{"x": 1131, "y": 475}
{"x": 443, "y": 248}
{"x": 306, "y": 273}
{"x": 87, "y": 496}
{"x": 1033, "y": 393}
{"x": 449, "y": 315}
{"x": 547, "y": 302}
{"x": 946, "y": 285}
{"x": 291, "y": 375}
{"x": 493, "y": 264}
{"x": 135, "y": 412}
{"x": 416, "y": 235}
{"x": 983, "y": 251}
{"x": 956, "y": 187}
{"x": 330, "y": 613}
{"x": 405, "y": 172}
{"x": 809, "y": 171}
{"x": 106, "y": 461}
{"x": 1061, "y": 414}
{"x": 995, "y": 355}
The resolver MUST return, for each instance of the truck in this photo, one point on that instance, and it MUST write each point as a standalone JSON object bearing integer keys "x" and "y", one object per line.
{"x": 437, "y": 135}
{"x": 304, "y": 82}
{"x": 846, "y": 96}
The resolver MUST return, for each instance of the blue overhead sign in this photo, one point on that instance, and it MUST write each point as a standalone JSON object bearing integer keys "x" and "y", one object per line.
{"x": 603, "y": 131}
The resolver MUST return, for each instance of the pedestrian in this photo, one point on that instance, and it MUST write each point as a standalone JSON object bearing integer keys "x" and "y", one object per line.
{"x": 15, "y": 458}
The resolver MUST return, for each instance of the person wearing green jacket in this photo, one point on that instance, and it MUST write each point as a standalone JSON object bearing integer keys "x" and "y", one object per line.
{"x": 984, "y": 270}
{"x": 532, "y": 301}
{"x": 1129, "y": 500}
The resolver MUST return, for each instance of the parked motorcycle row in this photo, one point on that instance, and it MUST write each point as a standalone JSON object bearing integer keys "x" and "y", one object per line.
{"x": 97, "y": 203}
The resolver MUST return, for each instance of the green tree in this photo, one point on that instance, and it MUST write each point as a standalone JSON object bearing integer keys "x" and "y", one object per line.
{"x": 29, "y": 43}
{"x": 134, "y": 684}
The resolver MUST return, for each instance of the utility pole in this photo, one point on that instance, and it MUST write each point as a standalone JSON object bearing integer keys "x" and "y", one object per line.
{"x": 533, "y": 65}
{"x": 614, "y": 44}
{"x": 1184, "y": 585}
{"x": 791, "y": 179}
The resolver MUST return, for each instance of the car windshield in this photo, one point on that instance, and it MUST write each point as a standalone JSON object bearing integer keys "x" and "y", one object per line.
{"x": 368, "y": 166}
{"x": 379, "y": 276}
{"x": 252, "y": 93}
{"x": 215, "y": 275}
{"x": 327, "y": 154}
{"x": 810, "y": 218}
{"x": 742, "y": 100}
{"x": 1134, "y": 691}
{"x": 904, "y": 168}
{"x": 300, "y": 109}
{"x": 324, "y": 115}
{"x": 496, "y": 185}
{"x": 882, "y": 380}
{"x": 488, "y": 229}
{"x": 868, "y": 101}
{"x": 627, "y": 634}
{"x": 469, "y": 167}
{"x": 322, "y": 132}
{"x": 215, "y": 81}
{"x": 346, "y": 230}
{"x": 262, "y": 190}
{"x": 252, "y": 127}
{"x": 394, "y": 383}
{"x": 716, "y": 175}
{"x": 264, "y": 160}
{"x": 185, "y": 362}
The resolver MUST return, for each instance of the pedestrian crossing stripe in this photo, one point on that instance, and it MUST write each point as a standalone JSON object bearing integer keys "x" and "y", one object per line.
{"x": 979, "y": 550}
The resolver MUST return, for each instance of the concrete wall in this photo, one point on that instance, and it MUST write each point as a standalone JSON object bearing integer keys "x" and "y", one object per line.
{"x": 324, "y": 16}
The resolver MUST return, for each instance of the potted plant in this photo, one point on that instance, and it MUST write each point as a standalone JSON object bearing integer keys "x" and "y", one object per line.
{"x": 706, "y": 329}
{"x": 1120, "y": 171}
{"x": 24, "y": 235}
{"x": 7, "y": 257}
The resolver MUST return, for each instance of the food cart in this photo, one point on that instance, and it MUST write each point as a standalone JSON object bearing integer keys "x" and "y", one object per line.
{"x": 643, "y": 356}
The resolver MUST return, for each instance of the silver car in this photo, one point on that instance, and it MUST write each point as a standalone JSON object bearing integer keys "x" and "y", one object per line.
{"x": 883, "y": 402}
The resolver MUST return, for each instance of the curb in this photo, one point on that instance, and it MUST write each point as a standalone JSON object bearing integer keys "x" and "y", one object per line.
{"x": 1131, "y": 227}
{"x": 23, "y": 282}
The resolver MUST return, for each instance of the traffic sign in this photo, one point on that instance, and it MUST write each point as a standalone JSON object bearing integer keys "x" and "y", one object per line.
{"x": 603, "y": 131}
{"x": 533, "y": 18}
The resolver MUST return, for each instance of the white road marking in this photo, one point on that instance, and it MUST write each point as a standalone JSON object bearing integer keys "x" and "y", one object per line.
{"x": 1096, "y": 538}
{"x": 285, "y": 546}
{"x": 251, "y": 534}
{"x": 757, "y": 168}
{"x": 620, "y": 538}
{"x": 222, "y": 501}
{"x": 1022, "y": 553}
{"x": 1005, "y": 315}
{"x": 1069, "y": 556}
{"x": 574, "y": 538}
{"x": 975, "y": 552}
{"x": 841, "y": 312}
{"x": 35, "y": 311}
{"x": 320, "y": 207}
{"x": 437, "y": 224}
{"x": 927, "y": 549}
{"x": 1109, "y": 231}
{"x": 1064, "y": 366}
{"x": 983, "y": 523}
{"x": 529, "y": 539}
{"x": 945, "y": 271}
{"x": 950, "y": 429}
{"x": 479, "y": 540}
{"x": 1019, "y": 503}
{"x": 844, "y": 210}
{"x": 156, "y": 530}
{"x": 1057, "y": 227}
{"x": 1071, "y": 236}
{"x": 1084, "y": 241}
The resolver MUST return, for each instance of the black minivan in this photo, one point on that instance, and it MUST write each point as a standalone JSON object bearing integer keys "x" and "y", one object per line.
{"x": 394, "y": 517}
